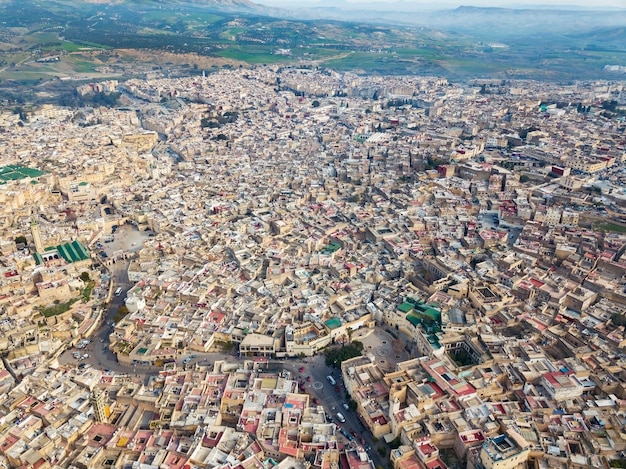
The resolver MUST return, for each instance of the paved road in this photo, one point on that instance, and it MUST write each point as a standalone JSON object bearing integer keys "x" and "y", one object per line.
{"x": 127, "y": 239}
{"x": 378, "y": 342}
{"x": 332, "y": 401}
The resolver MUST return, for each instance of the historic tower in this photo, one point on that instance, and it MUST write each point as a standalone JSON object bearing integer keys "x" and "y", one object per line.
{"x": 97, "y": 400}
{"x": 36, "y": 232}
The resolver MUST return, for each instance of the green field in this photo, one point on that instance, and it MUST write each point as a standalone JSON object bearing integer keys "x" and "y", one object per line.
{"x": 253, "y": 55}
{"x": 169, "y": 17}
{"x": 193, "y": 28}
{"x": 610, "y": 226}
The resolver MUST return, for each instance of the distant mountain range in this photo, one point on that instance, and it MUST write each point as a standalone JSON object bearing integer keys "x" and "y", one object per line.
{"x": 244, "y": 4}
{"x": 208, "y": 3}
{"x": 463, "y": 41}
{"x": 409, "y": 5}
{"x": 468, "y": 18}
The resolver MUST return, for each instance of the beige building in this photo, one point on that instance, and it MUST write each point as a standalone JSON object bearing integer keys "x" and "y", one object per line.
{"x": 504, "y": 452}
{"x": 258, "y": 345}
{"x": 571, "y": 183}
{"x": 306, "y": 339}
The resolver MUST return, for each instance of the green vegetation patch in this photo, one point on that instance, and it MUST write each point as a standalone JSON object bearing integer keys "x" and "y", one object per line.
{"x": 43, "y": 37}
{"x": 618, "y": 320}
{"x": 618, "y": 463}
{"x": 335, "y": 356}
{"x": 59, "y": 308}
{"x": 66, "y": 46}
{"x": 609, "y": 226}
{"x": 122, "y": 311}
{"x": 253, "y": 55}
{"x": 352, "y": 60}
{"x": 86, "y": 293}
{"x": 462, "y": 358}
{"x": 81, "y": 63}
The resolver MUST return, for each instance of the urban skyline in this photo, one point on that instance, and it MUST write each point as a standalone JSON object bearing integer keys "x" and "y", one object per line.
{"x": 236, "y": 241}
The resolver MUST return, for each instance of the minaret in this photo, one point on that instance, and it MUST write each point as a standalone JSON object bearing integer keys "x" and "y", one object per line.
{"x": 36, "y": 232}
{"x": 99, "y": 406}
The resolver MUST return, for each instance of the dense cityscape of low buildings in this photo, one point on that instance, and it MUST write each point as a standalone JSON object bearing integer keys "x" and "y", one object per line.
{"x": 483, "y": 223}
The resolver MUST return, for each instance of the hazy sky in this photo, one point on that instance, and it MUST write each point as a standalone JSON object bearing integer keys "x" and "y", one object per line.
{"x": 445, "y": 3}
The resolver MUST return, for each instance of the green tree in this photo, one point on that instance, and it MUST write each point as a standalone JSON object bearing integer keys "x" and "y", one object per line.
{"x": 618, "y": 320}
{"x": 336, "y": 355}
{"x": 85, "y": 277}
{"x": 396, "y": 442}
{"x": 121, "y": 312}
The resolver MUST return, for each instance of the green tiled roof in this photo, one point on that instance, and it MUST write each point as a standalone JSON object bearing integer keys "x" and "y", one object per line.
{"x": 73, "y": 252}
{"x": 15, "y": 172}
{"x": 330, "y": 248}
{"x": 413, "y": 319}
{"x": 333, "y": 323}
{"x": 70, "y": 252}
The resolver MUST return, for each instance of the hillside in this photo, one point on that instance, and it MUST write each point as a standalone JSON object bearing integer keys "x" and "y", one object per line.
{"x": 462, "y": 43}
